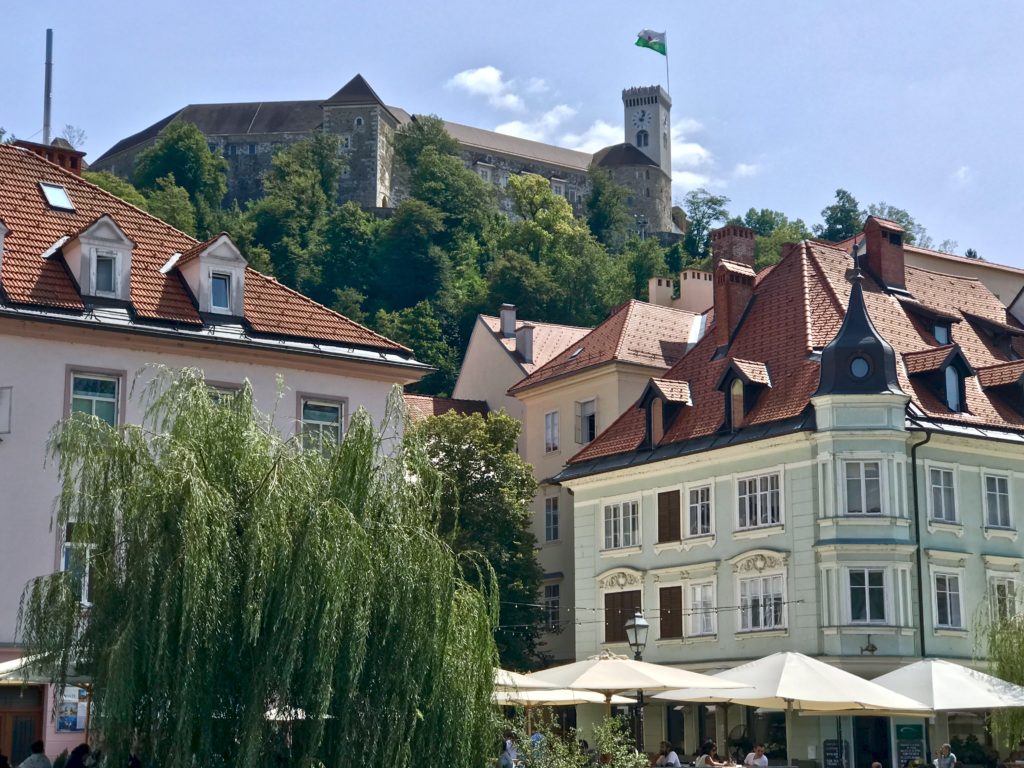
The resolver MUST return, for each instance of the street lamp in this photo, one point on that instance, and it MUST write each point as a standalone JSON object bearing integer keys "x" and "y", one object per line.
{"x": 636, "y": 634}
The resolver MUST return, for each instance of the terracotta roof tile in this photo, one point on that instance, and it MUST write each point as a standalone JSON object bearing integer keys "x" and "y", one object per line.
{"x": 420, "y": 407}
{"x": 673, "y": 391}
{"x": 635, "y": 332}
{"x": 197, "y": 250}
{"x": 26, "y": 278}
{"x": 1001, "y": 374}
{"x": 926, "y": 360}
{"x": 755, "y": 373}
{"x": 549, "y": 339}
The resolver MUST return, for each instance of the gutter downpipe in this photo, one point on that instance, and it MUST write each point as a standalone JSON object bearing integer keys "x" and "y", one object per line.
{"x": 920, "y": 557}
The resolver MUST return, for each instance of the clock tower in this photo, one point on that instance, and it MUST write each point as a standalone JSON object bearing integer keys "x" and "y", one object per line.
{"x": 648, "y": 124}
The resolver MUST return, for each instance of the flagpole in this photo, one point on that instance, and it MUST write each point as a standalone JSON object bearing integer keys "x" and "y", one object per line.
{"x": 668, "y": 82}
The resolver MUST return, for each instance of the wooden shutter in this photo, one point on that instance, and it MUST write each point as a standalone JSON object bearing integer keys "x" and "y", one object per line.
{"x": 668, "y": 516}
{"x": 579, "y": 423}
{"x": 619, "y": 607}
{"x": 671, "y": 611}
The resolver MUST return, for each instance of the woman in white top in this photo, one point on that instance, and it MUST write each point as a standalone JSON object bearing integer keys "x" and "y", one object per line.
{"x": 709, "y": 756}
{"x": 509, "y": 751}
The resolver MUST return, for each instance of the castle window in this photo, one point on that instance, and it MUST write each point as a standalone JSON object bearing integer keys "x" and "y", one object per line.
{"x": 642, "y": 138}
{"x": 232, "y": 150}
{"x": 359, "y": 122}
{"x": 252, "y": 149}
{"x": 647, "y": 173}
{"x": 345, "y": 142}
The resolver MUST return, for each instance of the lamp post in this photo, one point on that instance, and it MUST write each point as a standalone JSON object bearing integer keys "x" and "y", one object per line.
{"x": 636, "y": 634}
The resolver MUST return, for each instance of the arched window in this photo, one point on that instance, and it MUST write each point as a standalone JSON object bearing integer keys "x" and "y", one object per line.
{"x": 736, "y": 404}
{"x": 642, "y": 138}
{"x": 657, "y": 421}
{"x": 359, "y": 121}
{"x": 953, "y": 400}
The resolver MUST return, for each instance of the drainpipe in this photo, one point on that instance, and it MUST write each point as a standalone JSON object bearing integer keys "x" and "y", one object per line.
{"x": 920, "y": 558}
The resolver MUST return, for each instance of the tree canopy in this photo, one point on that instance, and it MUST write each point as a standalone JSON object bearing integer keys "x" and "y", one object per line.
{"x": 232, "y": 572}
{"x": 704, "y": 211}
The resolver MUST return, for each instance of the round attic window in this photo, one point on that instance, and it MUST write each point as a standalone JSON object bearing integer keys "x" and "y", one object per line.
{"x": 860, "y": 367}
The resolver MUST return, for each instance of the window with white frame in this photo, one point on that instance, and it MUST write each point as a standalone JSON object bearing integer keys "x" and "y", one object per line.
{"x": 484, "y": 173}
{"x": 220, "y": 291}
{"x": 759, "y": 501}
{"x": 867, "y": 596}
{"x": 702, "y": 608}
{"x": 75, "y": 559}
{"x": 763, "y": 603}
{"x": 699, "y": 518}
{"x": 322, "y": 422}
{"x": 558, "y": 188}
{"x": 550, "y": 431}
{"x": 96, "y": 395}
{"x": 551, "y": 518}
{"x": 586, "y": 421}
{"x": 105, "y": 275}
{"x": 621, "y": 525}
{"x": 552, "y": 604}
{"x": 943, "y": 494}
{"x": 1003, "y": 595}
{"x": 948, "y": 608}
{"x": 997, "y": 501}
{"x": 863, "y": 487}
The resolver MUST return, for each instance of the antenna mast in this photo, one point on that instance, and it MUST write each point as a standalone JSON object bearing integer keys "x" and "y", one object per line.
{"x": 48, "y": 86}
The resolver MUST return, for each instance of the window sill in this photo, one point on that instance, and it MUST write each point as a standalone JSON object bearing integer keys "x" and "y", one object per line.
{"x": 621, "y": 551}
{"x": 751, "y": 634}
{"x": 686, "y": 544}
{"x": 759, "y": 533}
{"x": 688, "y": 640}
{"x": 942, "y": 526}
{"x": 991, "y": 532}
{"x": 949, "y": 632}
{"x": 888, "y": 520}
{"x": 548, "y": 542}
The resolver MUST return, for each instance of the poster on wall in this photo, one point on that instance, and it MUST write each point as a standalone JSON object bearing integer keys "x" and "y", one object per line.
{"x": 72, "y": 709}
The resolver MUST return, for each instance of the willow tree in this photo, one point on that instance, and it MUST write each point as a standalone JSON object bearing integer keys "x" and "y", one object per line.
{"x": 1001, "y": 638}
{"x": 232, "y": 572}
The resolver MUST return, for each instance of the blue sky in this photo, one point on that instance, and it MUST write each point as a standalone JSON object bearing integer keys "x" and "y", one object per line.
{"x": 918, "y": 104}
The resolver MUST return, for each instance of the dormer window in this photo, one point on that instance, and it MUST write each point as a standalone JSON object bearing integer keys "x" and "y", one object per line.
{"x": 215, "y": 273}
{"x": 742, "y": 383}
{"x": 220, "y": 292}
{"x": 736, "y": 409}
{"x": 941, "y": 331}
{"x": 662, "y": 400}
{"x": 944, "y": 371}
{"x": 99, "y": 257}
{"x": 954, "y": 388}
{"x": 105, "y": 276}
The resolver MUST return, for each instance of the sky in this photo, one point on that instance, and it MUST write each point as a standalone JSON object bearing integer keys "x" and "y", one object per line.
{"x": 775, "y": 104}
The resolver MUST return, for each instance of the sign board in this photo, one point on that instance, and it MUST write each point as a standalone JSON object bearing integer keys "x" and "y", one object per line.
{"x": 910, "y": 732}
{"x": 5, "y": 409}
{"x": 834, "y": 753}
{"x": 910, "y": 753}
{"x": 71, "y": 709}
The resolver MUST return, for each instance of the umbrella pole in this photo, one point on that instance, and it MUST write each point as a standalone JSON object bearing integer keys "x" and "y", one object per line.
{"x": 88, "y": 711}
{"x": 608, "y": 705}
{"x": 789, "y": 732}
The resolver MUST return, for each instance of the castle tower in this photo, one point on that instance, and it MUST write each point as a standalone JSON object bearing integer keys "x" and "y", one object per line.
{"x": 648, "y": 124}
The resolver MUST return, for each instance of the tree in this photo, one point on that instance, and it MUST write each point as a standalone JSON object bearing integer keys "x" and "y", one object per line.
{"x": 947, "y": 246}
{"x": 443, "y": 182}
{"x": 487, "y": 511}
{"x": 231, "y": 571}
{"x": 764, "y": 221}
{"x": 970, "y": 253}
{"x": 418, "y": 328}
{"x": 169, "y": 202}
{"x": 117, "y": 186}
{"x": 841, "y": 220}
{"x": 73, "y": 135}
{"x": 643, "y": 259}
{"x": 913, "y": 233}
{"x": 607, "y": 214}
{"x": 703, "y": 211}
{"x": 1000, "y": 632}
{"x": 768, "y": 247}
{"x": 414, "y": 268}
{"x": 419, "y": 134}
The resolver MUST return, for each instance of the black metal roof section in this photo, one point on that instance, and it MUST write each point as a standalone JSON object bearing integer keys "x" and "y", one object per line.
{"x": 355, "y": 91}
{"x": 858, "y": 361}
{"x": 619, "y": 155}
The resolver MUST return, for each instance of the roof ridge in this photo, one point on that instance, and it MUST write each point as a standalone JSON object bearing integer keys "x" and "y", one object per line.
{"x": 829, "y": 290}
{"x": 535, "y": 323}
{"x": 627, "y": 313}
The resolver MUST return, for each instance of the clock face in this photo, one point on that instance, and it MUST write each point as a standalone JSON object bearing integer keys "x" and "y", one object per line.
{"x": 642, "y": 118}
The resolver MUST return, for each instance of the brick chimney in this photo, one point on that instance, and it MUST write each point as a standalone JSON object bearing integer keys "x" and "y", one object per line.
{"x": 733, "y": 244}
{"x": 885, "y": 258}
{"x": 734, "y": 287}
{"x": 67, "y": 157}
{"x": 508, "y": 320}
{"x": 524, "y": 342}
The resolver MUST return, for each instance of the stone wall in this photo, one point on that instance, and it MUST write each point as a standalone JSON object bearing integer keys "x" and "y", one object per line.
{"x": 650, "y": 195}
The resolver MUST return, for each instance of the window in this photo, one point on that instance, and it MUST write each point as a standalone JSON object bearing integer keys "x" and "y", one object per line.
{"x": 943, "y": 495}
{"x": 761, "y": 603}
{"x": 947, "y": 601}
{"x": 345, "y": 142}
{"x": 220, "y": 291}
{"x": 642, "y": 138}
{"x": 702, "y": 609}
{"x": 759, "y": 502}
{"x": 622, "y": 525}
{"x": 558, "y": 188}
{"x": 670, "y": 612}
{"x": 668, "y": 516}
{"x": 105, "y": 280}
{"x": 75, "y": 560}
{"x": 997, "y": 501}
{"x": 552, "y": 605}
{"x": 867, "y": 595}
{"x": 96, "y": 396}
{"x": 359, "y": 122}
{"x": 586, "y": 421}
{"x": 484, "y": 173}
{"x": 953, "y": 399}
{"x": 232, "y": 149}
{"x": 551, "y": 518}
{"x": 942, "y": 333}
{"x": 863, "y": 488}
{"x": 322, "y": 423}
{"x": 619, "y": 607}
{"x": 252, "y": 149}
{"x": 1004, "y": 596}
{"x": 735, "y": 405}
{"x": 550, "y": 431}
{"x": 700, "y": 511}
{"x": 57, "y": 197}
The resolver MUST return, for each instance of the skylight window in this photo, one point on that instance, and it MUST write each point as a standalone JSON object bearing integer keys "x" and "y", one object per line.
{"x": 57, "y": 197}
{"x": 576, "y": 353}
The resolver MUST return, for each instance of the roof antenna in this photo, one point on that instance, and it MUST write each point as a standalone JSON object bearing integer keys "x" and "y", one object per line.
{"x": 48, "y": 87}
{"x": 859, "y": 249}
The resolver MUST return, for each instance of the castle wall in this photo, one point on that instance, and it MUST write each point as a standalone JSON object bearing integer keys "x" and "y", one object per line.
{"x": 650, "y": 195}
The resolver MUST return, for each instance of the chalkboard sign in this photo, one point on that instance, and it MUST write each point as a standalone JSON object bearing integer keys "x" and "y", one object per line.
{"x": 834, "y": 753}
{"x": 909, "y": 751}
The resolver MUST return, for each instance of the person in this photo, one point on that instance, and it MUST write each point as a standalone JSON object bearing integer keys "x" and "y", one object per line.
{"x": 77, "y": 758}
{"x": 509, "y": 751}
{"x": 757, "y": 758}
{"x": 876, "y": 765}
{"x": 667, "y": 756}
{"x": 945, "y": 758}
{"x": 709, "y": 756}
{"x": 38, "y": 757}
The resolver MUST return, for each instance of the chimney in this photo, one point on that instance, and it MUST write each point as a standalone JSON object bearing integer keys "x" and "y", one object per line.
{"x": 660, "y": 290}
{"x": 885, "y": 252}
{"x": 508, "y": 320}
{"x": 734, "y": 287}
{"x": 696, "y": 291}
{"x": 524, "y": 342}
{"x": 733, "y": 243}
{"x": 59, "y": 153}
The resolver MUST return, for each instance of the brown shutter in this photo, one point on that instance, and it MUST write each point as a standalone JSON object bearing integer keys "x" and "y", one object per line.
{"x": 668, "y": 516}
{"x": 671, "y": 611}
{"x": 619, "y": 607}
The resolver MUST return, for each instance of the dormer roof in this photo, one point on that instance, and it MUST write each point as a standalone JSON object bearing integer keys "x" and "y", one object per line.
{"x": 102, "y": 226}
{"x": 669, "y": 391}
{"x": 1002, "y": 374}
{"x": 937, "y": 359}
{"x": 748, "y": 371}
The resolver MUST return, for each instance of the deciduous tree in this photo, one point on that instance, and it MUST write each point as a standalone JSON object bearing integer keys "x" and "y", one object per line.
{"x": 840, "y": 220}
{"x": 703, "y": 211}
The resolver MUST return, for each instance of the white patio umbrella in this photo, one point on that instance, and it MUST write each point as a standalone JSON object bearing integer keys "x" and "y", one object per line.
{"x": 945, "y": 686}
{"x": 792, "y": 681}
{"x": 556, "y": 697}
{"x": 504, "y": 680}
{"x": 30, "y": 670}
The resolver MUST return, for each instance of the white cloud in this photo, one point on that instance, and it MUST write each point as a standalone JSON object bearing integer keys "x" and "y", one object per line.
{"x": 685, "y": 181}
{"x": 490, "y": 82}
{"x": 746, "y": 170}
{"x": 541, "y": 128}
{"x": 961, "y": 175}
{"x": 536, "y": 85}
{"x": 599, "y": 135}
{"x": 686, "y": 125}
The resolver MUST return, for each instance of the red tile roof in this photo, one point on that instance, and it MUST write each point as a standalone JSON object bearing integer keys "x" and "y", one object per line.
{"x": 797, "y": 309}
{"x": 926, "y": 360}
{"x": 420, "y": 407}
{"x": 548, "y": 340}
{"x": 755, "y": 373}
{"x": 635, "y": 332}
{"x": 1001, "y": 374}
{"x": 26, "y": 278}
{"x": 673, "y": 391}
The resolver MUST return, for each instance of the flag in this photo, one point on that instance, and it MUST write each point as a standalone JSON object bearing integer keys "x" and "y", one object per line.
{"x": 648, "y": 38}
